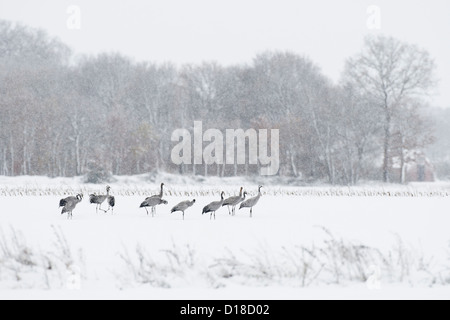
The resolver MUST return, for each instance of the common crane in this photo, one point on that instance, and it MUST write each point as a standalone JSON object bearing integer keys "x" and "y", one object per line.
{"x": 111, "y": 200}
{"x": 250, "y": 203}
{"x": 98, "y": 200}
{"x": 233, "y": 202}
{"x": 214, "y": 206}
{"x": 183, "y": 206}
{"x": 69, "y": 204}
{"x": 152, "y": 202}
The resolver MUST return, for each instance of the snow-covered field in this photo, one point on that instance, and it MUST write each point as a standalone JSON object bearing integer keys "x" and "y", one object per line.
{"x": 301, "y": 243}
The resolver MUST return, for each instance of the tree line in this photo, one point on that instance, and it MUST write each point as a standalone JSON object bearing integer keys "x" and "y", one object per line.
{"x": 64, "y": 115}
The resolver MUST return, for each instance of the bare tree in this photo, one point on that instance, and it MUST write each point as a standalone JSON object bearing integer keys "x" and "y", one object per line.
{"x": 390, "y": 71}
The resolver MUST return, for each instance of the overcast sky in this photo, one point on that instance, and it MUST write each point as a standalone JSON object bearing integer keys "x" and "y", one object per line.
{"x": 232, "y": 31}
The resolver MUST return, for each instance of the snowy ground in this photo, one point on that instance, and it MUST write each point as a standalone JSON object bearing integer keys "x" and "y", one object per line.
{"x": 295, "y": 247}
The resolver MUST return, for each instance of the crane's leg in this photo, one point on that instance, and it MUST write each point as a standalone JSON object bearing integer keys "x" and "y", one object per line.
{"x": 146, "y": 210}
{"x": 153, "y": 212}
{"x": 251, "y": 212}
{"x": 229, "y": 210}
{"x": 102, "y": 209}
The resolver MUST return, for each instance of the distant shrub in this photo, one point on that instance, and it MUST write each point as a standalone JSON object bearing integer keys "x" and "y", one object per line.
{"x": 97, "y": 175}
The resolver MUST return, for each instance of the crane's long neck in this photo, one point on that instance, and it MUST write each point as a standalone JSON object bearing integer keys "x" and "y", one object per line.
{"x": 240, "y": 194}
{"x": 162, "y": 191}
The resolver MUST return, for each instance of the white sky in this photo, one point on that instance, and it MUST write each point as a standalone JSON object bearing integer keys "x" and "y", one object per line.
{"x": 234, "y": 31}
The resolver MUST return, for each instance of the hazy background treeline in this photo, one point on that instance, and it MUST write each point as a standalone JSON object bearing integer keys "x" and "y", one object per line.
{"x": 64, "y": 115}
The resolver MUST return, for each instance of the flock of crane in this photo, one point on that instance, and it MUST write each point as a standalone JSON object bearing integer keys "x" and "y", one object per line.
{"x": 69, "y": 204}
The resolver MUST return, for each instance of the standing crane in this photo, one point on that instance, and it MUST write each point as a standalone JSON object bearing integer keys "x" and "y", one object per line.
{"x": 99, "y": 199}
{"x": 214, "y": 206}
{"x": 250, "y": 203}
{"x": 233, "y": 202}
{"x": 111, "y": 200}
{"x": 154, "y": 201}
{"x": 183, "y": 206}
{"x": 69, "y": 204}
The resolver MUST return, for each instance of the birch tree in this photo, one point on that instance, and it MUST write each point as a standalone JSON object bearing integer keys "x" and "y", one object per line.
{"x": 390, "y": 71}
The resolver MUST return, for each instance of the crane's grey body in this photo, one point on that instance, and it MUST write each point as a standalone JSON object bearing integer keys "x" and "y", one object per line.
{"x": 183, "y": 206}
{"x": 214, "y": 206}
{"x": 99, "y": 199}
{"x": 69, "y": 204}
{"x": 154, "y": 201}
{"x": 111, "y": 200}
{"x": 234, "y": 201}
{"x": 250, "y": 203}
{"x": 64, "y": 202}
